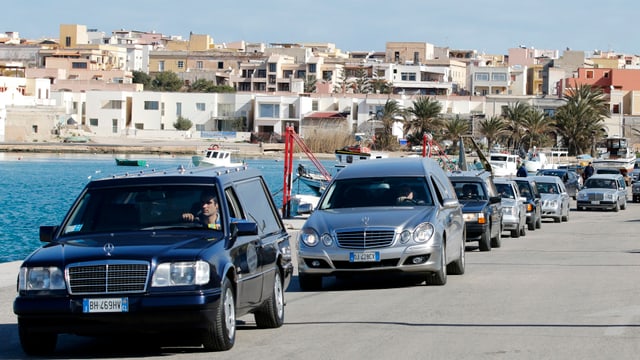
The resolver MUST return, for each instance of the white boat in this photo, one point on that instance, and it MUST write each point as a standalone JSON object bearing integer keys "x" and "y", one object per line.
{"x": 618, "y": 155}
{"x": 350, "y": 154}
{"x": 313, "y": 179}
{"x": 535, "y": 161}
{"x": 304, "y": 204}
{"x": 216, "y": 157}
{"x": 503, "y": 164}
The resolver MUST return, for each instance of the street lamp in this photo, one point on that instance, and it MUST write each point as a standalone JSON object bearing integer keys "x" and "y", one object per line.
{"x": 593, "y": 143}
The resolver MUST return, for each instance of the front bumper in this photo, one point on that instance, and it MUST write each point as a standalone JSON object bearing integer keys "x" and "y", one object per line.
{"x": 146, "y": 314}
{"x": 607, "y": 205}
{"x": 475, "y": 230}
{"x": 510, "y": 222}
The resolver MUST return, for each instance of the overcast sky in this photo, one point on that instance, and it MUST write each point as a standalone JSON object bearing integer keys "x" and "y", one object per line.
{"x": 489, "y": 26}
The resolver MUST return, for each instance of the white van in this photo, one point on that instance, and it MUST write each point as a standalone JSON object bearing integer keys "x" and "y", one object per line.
{"x": 503, "y": 164}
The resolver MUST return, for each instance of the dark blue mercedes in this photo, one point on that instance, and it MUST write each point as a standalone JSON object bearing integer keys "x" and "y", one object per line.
{"x": 181, "y": 252}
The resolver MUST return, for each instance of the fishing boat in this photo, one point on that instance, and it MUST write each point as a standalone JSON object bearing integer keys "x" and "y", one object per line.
{"x": 130, "y": 162}
{"x": 216, "y": 157}
{"x": 313, "y": 179}
{"x": 618, "y": 155}
{"x": 350, "y": 154}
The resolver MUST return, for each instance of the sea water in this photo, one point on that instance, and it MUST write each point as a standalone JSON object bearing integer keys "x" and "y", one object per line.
{"x": 38, "y": 189}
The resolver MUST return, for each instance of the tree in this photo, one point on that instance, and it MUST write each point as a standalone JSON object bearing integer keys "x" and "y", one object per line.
{"x": 182, "y": 123}
{"x": 454, "y": 129}
{"x": 580, "y": 120}
{"x": 492, "y": 129}
{"x": 143, "y": 78}
{"x": 388, "y": 117}
{"x": 340, "y": 85}
{"x": 538, "y": 126}
{"x": 515, "y": 114}
{"x": 166, "y": 81}
{"x": 310, "y": 84}
{"x": 381, "y": 86}
{"x": 426, "y": 112}
{"x": 361, "y": 84}
{"x": 202, "y": 86}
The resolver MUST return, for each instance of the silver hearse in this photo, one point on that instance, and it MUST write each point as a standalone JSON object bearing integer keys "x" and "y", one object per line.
{"x": 394, "y": 215}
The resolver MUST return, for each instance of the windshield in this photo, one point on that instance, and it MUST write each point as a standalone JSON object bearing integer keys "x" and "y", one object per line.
{"x": 505, "y": 191}
{"x": 601, "y": 184}
{"x": 145, "y": 208}
{"x": 547, "y": 188}
{"x": 469, "y": 190}
{"x": 364, "y": 192}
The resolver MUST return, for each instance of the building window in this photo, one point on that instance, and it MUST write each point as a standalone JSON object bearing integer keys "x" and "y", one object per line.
{"x": 225, "y": 110}
{"x": 416, "y": 58}
{"x": 408, "y": 76}
{"x": 139, "y": 126}
{"x": 93, "y": 122}
{"x": 499, "y": 77}
{"x": 269, "y": 111}
{"x": 589, "y": 74}
{"x": 114, "y": 104}
{"x": 482, "y": 76}
{"x": 114, "y": 126}
{"x": 67, "y": 41}
{"x": 78, "y": 65}
{"x": 327, "y": 75}
{"x": 34, "y": 128}
{"x": 606, "y": 74}
{"x": 199, "y": 64}
{"x": 200, "y": 127}
{"x": 396, "y": 56}
{"x": 162, "y": 109}
{"x": 151, "y": 105}
{"x": 179, "y": 109}
{"x": 180, "y": 64}
{"x": 273, "y": 67}
{"x": 301, "y": 74}
{"x": 161, "y": 65}
{"x": 200, "y": 107}
{"x": 312, "y": 68}
{"x": 220, "y": 64}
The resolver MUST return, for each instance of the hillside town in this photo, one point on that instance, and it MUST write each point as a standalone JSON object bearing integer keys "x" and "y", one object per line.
{"x": 86, "y": 84}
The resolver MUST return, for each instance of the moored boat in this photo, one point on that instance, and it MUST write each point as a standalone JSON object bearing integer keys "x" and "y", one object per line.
{"x": 130, "y": 162}
{"x": 350, "y": 154}
{"x": 618, "y": 155}
{"x": 215, "y": 156}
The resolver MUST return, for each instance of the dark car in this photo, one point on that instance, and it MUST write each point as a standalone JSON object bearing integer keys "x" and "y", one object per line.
{"x": 529, "y": 190}
{"x": 570, "y": 179}
{"x": 127, "y": 259}
{"x": 481, "y": 207}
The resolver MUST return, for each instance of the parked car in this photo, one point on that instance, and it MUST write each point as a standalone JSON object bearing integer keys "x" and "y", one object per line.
{"x": 482, "y": 207}
{"x": 572, "y": 181}
{"x": 514, "y": 211}
{"x": 135, "y": 255}
{"x": 603, "y": 191}
{"x": 388, "y": 215}
{"x": 555, "y": 199}
{"x": 635, "y": 173}
{"x": 528, "y": 190}
{"x": 635, "y": 191}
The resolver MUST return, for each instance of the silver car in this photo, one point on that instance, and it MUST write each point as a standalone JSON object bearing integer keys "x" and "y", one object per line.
{"x": 514, "y": 209}
{"x": 555, "y": 199}
{"x": 603, "y": 191}
{"x": 393, "y": 215}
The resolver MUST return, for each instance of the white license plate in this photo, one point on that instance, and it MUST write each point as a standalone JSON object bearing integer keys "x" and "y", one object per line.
{"x": 368, "y": 256}
{"x": 595, "y": 202}
{"x": 105, "y": 305}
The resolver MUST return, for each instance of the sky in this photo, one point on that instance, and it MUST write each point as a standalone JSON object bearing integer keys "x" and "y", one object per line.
{"x": 489, "y": 26}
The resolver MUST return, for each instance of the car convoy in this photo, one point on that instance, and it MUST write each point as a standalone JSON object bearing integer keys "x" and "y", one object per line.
{"x": 133, "y": 254}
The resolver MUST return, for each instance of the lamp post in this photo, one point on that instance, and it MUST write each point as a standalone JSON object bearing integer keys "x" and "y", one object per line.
{"x": 593, "y": 143}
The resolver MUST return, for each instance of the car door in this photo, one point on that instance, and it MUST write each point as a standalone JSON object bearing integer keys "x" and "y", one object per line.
{"x": 564, "y": 196}
{"x": 450, "y": 217}
{"x": 496, "y": 207}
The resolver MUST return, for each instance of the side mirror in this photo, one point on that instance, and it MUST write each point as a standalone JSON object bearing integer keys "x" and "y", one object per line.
{"x": 450, "y": 203}
{"x": 495, "y": 199}
{"x": 46, "y": 233}
{"x": 243, "y": 228}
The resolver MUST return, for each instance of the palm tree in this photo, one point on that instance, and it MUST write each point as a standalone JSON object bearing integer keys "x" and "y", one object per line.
{"x": 515, "y": 113}
{"x": 426, "y": 112}
{"x": 454, "y": 129}
{"x": 537, "y": 125}
{"x": 388, "y": 116}
{"x": 493, "y": 128}
{"x": 580, "y": 120}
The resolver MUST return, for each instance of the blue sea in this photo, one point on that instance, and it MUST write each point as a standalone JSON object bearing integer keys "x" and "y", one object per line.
{"x": 38, "y": 189}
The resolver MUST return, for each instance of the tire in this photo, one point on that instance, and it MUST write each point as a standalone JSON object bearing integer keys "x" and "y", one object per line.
{"x": 532, "y": 225}
{"x": 271, "y": 315}
{"x": 439, "y": 277}
{"x": 623, "y": 206}
{"x": 515, "y": 233}
{"x": 496, "y": 242}
{"x": 458, "y": 266}
{"x": 310, "y": 282}
{"x": 523, "y": 231}
{"x": 539, "y": 222}
{"x": 221, "y": 335}
{"x": 557, "y": 219}
{"x": 484, "y": 244}
{"x": 617, "y": 207}
{"x": 36, "y": 343}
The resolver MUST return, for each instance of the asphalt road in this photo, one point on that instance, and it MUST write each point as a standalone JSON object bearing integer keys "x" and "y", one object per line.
{"x": 566, "y": 291}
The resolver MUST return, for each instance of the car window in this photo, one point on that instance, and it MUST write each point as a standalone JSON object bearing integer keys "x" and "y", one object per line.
{"x": 505, "y": 191}
{"x": 135, "y": 208}
{"x": 524, "y": 189}
{"x": 258, "y": 206}
{"x": 365, "y": 192}
{"x": 469, "y": 190}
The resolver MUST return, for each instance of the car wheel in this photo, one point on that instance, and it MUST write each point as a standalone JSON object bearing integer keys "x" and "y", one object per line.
{"x": 523, "y": 230}
{"x": 623, "y": 206}
{"x": 221, "y": 334}
{"x": 457, "y": 267}
{"x": 565, "y": 218}
{"x": 271, "y": 315}
{"x": 485, "y": 240}
{"x": 310, "y": 282}
{"x": 557, "y": 219}
{"x": 36, "y": 343}
{"x": 496, "y": 242}
{"x": 617, "y": 207}
{"x": 515, "y": 233}
{"x": 439, "y": 277}
{"x": 532, "y": 225}
{"x": 539, "y": 222}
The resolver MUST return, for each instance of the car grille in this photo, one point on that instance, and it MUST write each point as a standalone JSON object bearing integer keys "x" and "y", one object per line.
{"x": 597, "y": 196}
{"x": 368, "y": 238}
{"x": 108, "y": 277}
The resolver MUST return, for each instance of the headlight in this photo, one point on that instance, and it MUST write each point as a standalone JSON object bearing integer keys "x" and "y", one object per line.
{"x": 41, "y": 278}
{"x": 508, "y": 210}
{"x": 423, "y": 233}
{"x": 551, "y": 203}
{"x": 475, "y": 217}
{"x": 582, "y": 196}
{"x": 609, "y": 196}
{"x": 327, "y": 240}
{"x": 181, "y": 273}
{"x": 309, "y": 237}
